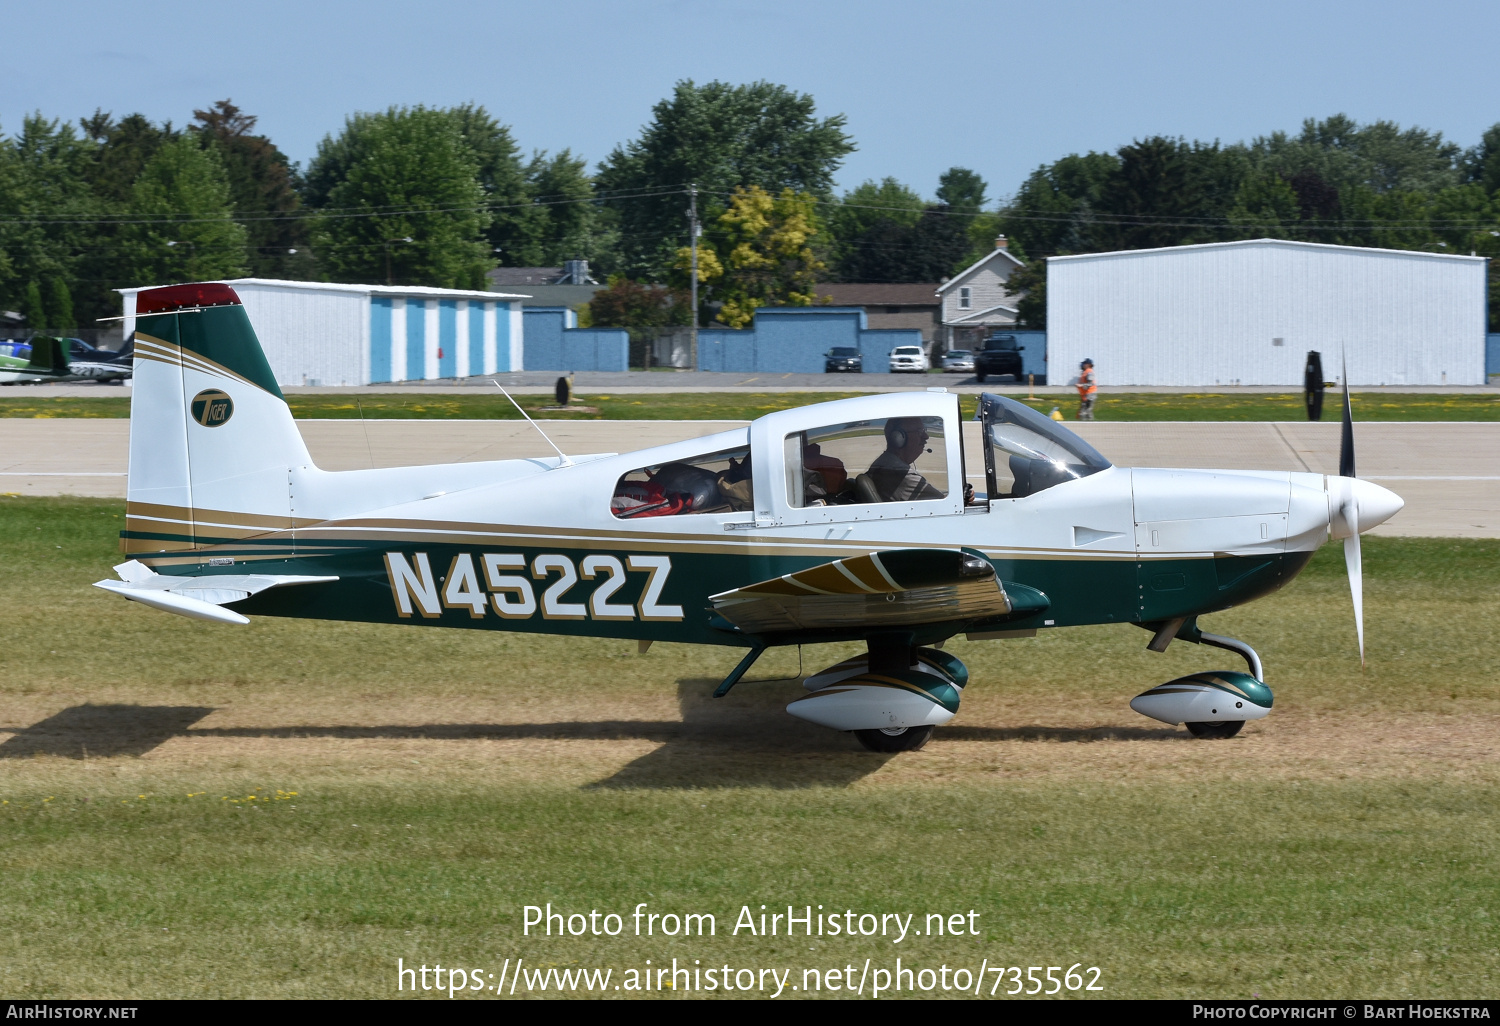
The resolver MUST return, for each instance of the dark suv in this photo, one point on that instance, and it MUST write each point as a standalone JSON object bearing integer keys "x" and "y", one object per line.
{"x": 1000, "y": 355}
{"x": 843, "y": 358}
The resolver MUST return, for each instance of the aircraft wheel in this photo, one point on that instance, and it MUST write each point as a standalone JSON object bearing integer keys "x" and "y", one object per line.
{"x": 904, "y": 739}
{"x": 1215, "y": 731}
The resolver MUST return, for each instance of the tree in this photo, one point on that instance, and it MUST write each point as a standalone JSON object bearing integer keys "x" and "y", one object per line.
{"x": 564, "y": 221}
{"x": 261, "y": 189}
{"x": 1265, "y": 205}
{"x": 57, "y": 300}
{"x": 720, "y": 137}
{"x": 1481, "y": 164}
{"x": 46, "y": 202}
{"x": 1030, "y": 282}
{"x": 964, "y": 193}
{"x": 1380, "y": 156}
{"x": 630, "y": 304}
{"x": 181, "y": 226}
{"x": 940, "y": 244}
{"x": 407, "y": 173}
{"x": 884, "y": 232}
{"x": 1153, "y": 199}
{"x": 760, "y": 254}
{"x": 871, "y": 230}
{"x": 503, "y": 179}
{"x": 122, "y": 152}
{"x": 1054, "y": 210}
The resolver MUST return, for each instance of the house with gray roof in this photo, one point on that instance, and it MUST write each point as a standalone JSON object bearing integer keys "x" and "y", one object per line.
{"x": 976, "y": 302}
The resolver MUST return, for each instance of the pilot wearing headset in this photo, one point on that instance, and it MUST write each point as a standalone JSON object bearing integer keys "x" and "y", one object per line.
{"x": 892, "y": 472}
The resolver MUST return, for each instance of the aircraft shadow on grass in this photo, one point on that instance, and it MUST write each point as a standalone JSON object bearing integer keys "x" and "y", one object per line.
{"x": 743, "y": 740}
{"x": 102, "y": 731}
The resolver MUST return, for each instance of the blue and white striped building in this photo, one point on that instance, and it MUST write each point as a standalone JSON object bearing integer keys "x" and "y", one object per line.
{"x": 322, "y": 333}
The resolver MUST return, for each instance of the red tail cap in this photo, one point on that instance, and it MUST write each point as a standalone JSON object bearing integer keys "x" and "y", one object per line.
{"x": 182, "y": 297}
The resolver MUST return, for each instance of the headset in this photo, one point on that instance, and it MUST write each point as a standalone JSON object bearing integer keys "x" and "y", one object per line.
{"x": 897, "y": 436}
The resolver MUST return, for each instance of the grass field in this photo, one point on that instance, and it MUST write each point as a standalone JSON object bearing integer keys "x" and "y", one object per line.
{"x": 1121, "y": 406}
{"x": 285, "y": 809}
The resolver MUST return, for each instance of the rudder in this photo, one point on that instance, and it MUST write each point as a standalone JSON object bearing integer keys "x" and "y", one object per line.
{"x": 212, "y": 440}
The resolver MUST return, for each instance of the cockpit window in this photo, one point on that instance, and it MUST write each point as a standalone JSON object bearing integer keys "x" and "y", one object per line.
{"x": 716, "y": 483}
{"x": 902, "y": 459}
{"x": 1026, "y": 452}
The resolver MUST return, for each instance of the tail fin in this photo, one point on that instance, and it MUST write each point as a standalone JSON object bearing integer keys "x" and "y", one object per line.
{"x": 212, "y": 440}
{"x": 48, "y": 355}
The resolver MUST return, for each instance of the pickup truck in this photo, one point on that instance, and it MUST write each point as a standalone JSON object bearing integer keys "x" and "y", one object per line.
{"x": 1000, "y": 355}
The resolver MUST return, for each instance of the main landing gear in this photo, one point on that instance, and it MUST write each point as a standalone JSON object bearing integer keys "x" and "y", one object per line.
{"x": 890, "y": 698}
{"x": 895, "y": 739}
{"x": 1215, "y": 704}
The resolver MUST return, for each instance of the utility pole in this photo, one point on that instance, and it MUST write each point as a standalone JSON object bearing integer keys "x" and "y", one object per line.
{"x": 693, "y": 231}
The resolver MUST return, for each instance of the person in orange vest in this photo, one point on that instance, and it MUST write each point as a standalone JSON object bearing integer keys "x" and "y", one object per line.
{"x": 1088, "y": 387}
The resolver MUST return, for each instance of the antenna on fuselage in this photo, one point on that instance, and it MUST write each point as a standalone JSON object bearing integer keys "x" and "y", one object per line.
{"x": 564, "y": 456}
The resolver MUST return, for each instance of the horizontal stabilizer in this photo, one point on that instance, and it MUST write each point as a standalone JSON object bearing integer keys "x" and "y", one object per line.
{"x": 900, "y": 587}
{"x": 198, "y": 597}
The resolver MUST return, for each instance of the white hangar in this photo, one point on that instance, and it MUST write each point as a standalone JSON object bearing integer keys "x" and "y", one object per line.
{"x": 323, "y": 333}
{"x": 1246, "y": 313}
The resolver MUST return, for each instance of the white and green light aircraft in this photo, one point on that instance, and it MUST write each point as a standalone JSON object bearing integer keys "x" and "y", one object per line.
{"x": 839, "y": 521}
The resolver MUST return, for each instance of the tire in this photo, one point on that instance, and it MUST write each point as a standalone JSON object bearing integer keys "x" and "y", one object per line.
{"x": 979, "y": 376}
{"x": 1215, "y": 731}
{"x": 907, "y": 739}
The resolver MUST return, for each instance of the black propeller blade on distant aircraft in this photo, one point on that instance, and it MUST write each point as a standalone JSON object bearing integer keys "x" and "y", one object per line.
{"x": 1349, "y": 512}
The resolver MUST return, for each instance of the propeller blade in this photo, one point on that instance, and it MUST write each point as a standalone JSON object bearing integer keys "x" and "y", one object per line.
{"x": 1355, "y": 565}
{"x": 1346, "y": 441}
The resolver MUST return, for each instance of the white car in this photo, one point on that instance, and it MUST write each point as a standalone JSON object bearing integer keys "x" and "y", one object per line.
{"x": 909, "y": 358}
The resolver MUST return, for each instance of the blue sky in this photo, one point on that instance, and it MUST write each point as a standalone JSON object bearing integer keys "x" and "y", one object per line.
{"x": 999, "y": 87}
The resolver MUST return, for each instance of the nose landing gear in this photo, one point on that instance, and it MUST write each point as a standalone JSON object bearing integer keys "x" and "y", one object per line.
{"x": 1213, "y": 705}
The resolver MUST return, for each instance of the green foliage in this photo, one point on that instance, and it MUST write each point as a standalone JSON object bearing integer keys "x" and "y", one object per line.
{"x": 886, "y": 232}
{"x": 1336, "y": 181}
{"x": 262, "y": 189}
{"x": 1029, "y": 282}
{"x": 721, "y": 137}
{"x": 184, "y": 229}
{"x": 1481, "y": 163}
{"x": 404, "y": 173}
{"x": 32, "y": 307}
{"x": 122, "y": 150}
{"x": 760, "y": 255}
{"x": 57, "y": 300}
{"x": 1053, "y": 211}
{"x": 44, "y": 190}
{"x": 563, "y": 222}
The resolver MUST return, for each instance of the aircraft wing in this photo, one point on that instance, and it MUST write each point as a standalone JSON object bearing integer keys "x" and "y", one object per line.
{"x": 200, "y": 598}
{"x": 896, "y": 588}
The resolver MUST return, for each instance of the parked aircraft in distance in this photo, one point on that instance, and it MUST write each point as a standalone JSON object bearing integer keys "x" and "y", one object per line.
{"x": 45, "y": 358}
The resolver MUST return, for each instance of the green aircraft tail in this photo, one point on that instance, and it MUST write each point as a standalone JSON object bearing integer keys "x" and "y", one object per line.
{"x": 48, "y": 355}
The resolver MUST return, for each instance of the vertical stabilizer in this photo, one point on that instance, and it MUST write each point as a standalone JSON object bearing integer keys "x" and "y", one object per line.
{"x": 212, "y": 441}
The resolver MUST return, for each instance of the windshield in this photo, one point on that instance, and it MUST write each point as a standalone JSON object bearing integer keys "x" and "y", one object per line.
{"x": 843, "y": 351}
{"x": 1002, "y": 342}
{"x": 1026, "y": 452}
